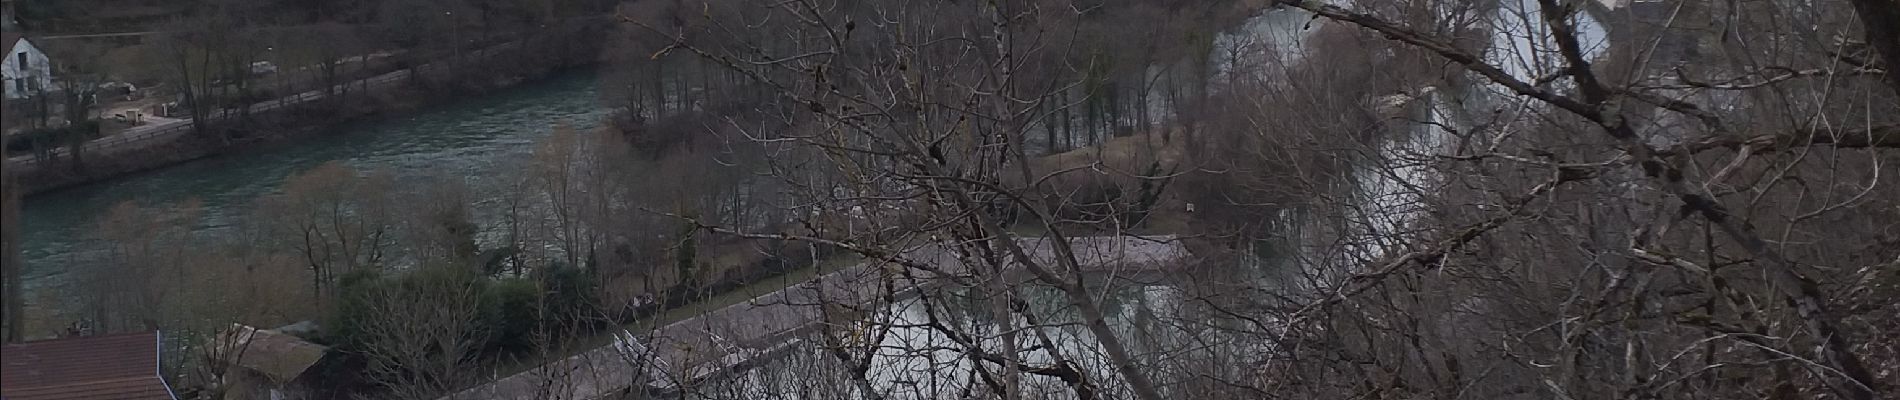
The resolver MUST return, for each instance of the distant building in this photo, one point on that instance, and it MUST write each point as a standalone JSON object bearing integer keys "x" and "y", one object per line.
{"x": 120, "y": 366}
{"x": 26, "y": 70}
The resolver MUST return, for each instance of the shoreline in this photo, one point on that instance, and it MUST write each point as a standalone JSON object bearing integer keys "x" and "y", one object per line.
{"x": 286, "y": 126}
{"x": 394, "y": 103}
{"x": 48, "y": 306}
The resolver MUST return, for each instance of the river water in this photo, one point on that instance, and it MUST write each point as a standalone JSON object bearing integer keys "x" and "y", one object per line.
{"x": 472, "y": 139}
{"x": 1164, "y": 319}
{"x": 480, "y": 137}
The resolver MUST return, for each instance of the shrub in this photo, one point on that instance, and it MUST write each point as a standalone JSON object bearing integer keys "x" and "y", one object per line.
{"x": 357, "y": 290}
{"x": 346, "y": 317}
{"x": 572, "y": 293}
{"x": 510, "y": 311}
{"x": 47, "y": 138}
{"x": 513, "y": 311}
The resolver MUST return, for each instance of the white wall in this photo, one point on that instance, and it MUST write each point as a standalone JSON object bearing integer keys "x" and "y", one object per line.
{"x": 38, "y": 71}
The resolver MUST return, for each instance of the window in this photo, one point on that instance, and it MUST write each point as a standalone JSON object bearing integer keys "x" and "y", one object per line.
{"x": 22, "y": 57}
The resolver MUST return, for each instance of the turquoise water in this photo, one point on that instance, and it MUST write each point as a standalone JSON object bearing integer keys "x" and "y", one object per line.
{"x": 472, "y": 139}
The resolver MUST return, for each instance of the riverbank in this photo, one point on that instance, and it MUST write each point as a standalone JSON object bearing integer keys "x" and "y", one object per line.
{"x": 479, "y": 140}
{"x": 413, "y": 88}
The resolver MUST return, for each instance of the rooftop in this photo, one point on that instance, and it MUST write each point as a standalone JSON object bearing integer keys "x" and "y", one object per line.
{"x": 118, "y": 366}
{"x": 277, "y": 355}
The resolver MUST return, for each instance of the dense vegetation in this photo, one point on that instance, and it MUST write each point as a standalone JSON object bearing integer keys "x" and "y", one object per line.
{"x": 1384, "y": 199}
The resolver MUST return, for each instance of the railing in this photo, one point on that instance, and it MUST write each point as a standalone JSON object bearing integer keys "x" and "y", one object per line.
{"x": 136, "y": 134}
{"x": 129, "y": 136}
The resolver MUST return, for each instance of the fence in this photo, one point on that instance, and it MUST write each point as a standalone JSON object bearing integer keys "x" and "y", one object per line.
{"x": 138, "y": 135}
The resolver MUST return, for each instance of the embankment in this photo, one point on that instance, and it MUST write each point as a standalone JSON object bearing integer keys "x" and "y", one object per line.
{"x": 495, "y": 67}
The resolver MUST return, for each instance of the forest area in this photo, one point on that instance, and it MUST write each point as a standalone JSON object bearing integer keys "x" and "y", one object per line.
{"x": 1551, "y": 199}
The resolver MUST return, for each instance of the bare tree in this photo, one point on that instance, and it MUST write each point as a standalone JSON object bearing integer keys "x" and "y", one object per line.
{"x": 1494, "y": 198}
{"x": 563, "y": 169}
{"x": 142, "y": 274}
{"x": 78, "y": 81}
{"x": 338, "y": 51}
{"x": 917, "y": 131}
{"x": 437, "y": 227}
{"x": 210, "y": 56}
{"x": 1602, "y": 207}
{"x": 420, "y": 332}
{"x": 336, "y": 221}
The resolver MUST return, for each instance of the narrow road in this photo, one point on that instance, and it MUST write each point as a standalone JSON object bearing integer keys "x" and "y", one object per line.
{"x": 721, "y": 341}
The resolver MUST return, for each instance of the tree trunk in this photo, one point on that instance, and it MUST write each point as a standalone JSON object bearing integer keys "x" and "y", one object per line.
{"x": 658, "y": 83}
{"x": 1093, "y": 108}
{"x": 1048, "y": 124}
{"x": 1068, "y": 119}
{"x": 10, "y": 267}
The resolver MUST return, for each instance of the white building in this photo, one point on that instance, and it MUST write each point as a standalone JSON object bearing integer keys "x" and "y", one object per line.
{"x": 26, "y": 70}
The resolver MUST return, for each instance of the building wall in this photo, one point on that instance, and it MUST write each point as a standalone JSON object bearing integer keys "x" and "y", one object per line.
{"x": 38, "y": 71}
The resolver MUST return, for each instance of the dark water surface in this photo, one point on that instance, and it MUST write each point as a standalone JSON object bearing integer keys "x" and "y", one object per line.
{"x": 474, "y": 139}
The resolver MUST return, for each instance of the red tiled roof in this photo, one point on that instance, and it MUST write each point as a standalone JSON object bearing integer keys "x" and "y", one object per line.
{"x": 149, "y": 387}
{"x": 120, "y": 366}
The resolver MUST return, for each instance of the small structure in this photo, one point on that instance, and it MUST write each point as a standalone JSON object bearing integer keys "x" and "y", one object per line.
{"x": 263, "y": 363}
{"x": 118, "y": 366}
{"x": 26, "y": 69}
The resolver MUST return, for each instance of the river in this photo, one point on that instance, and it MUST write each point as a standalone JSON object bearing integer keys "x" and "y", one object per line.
{"x": 1172, "y": 321}
{"x": 473, "y": 139}
{"x": 479, "y": 137}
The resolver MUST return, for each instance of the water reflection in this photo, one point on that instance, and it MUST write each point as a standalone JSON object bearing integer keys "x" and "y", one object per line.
{"x": 1164, "y": 321}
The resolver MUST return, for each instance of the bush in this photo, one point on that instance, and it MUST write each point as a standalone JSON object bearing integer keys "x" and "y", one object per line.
{"x": 514, "y": 311}
{"x": 559, "y": 299}
{"x": 47, "y": 138}
{"x": 510, "y": 311}
{"x": 572, "y": 293}
{"x": 353, "y": 294}
{"x": 357, "y": 291}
